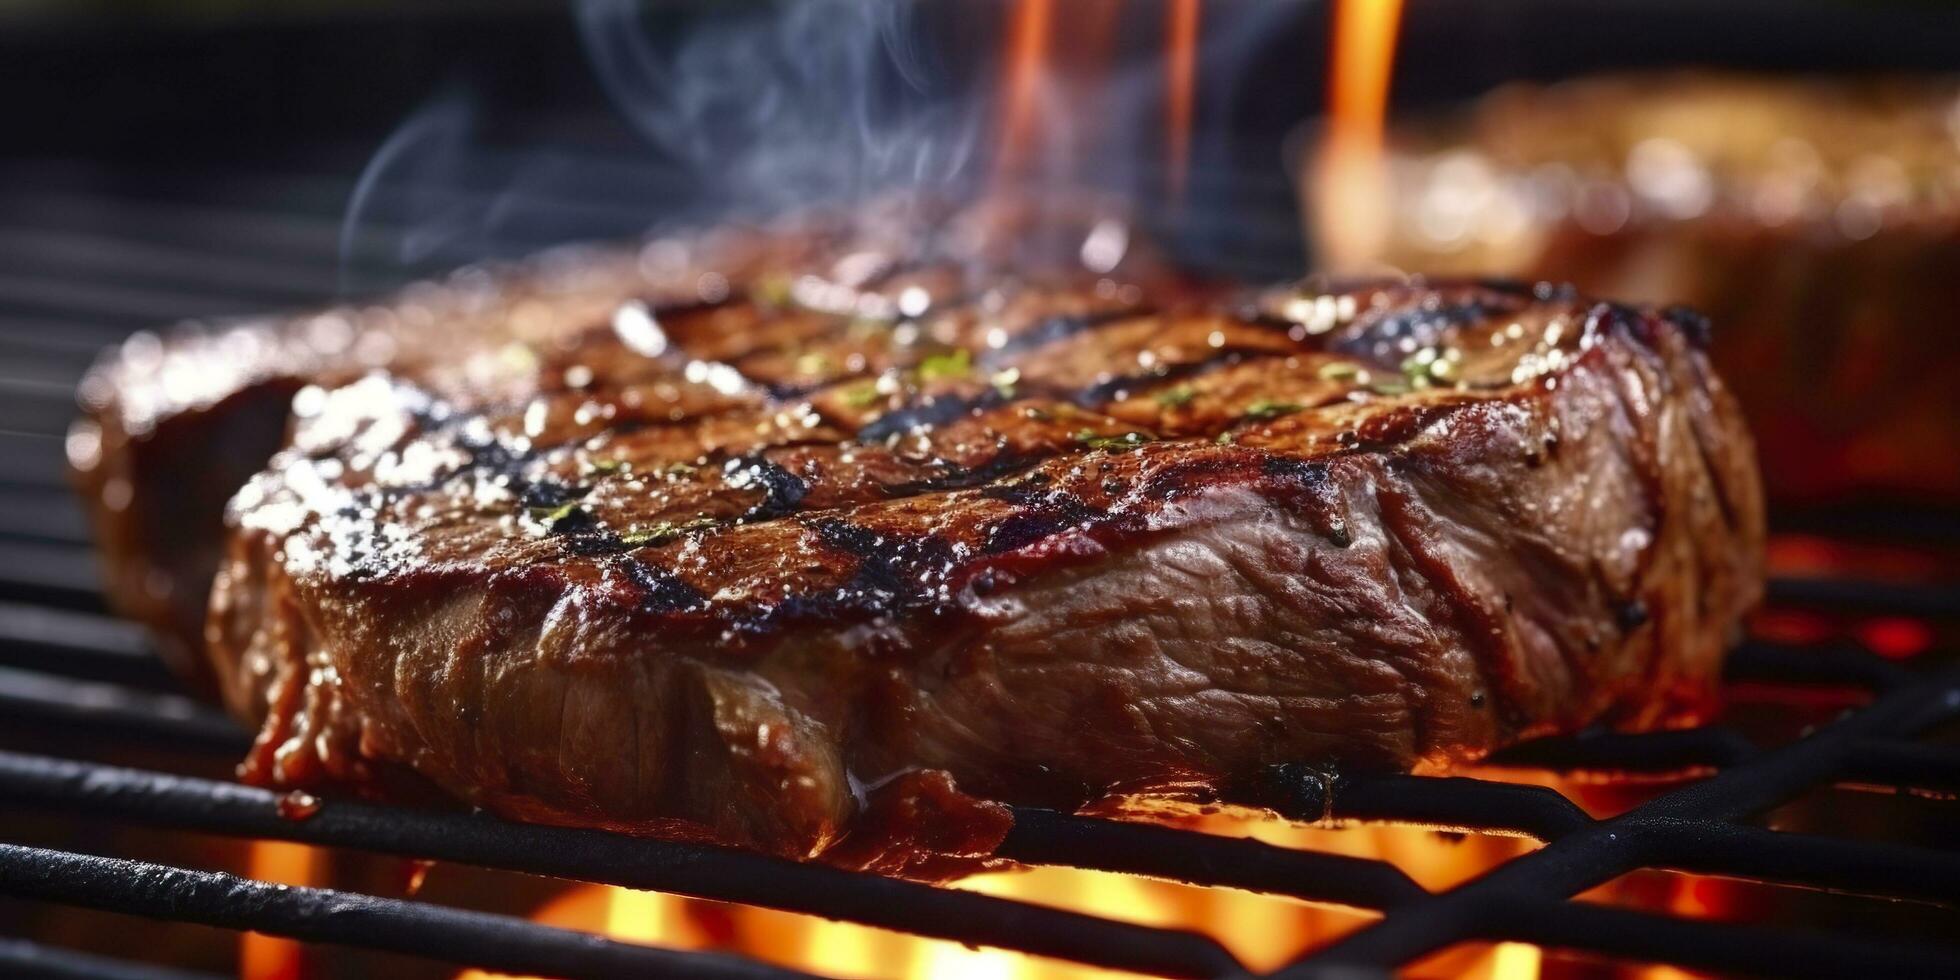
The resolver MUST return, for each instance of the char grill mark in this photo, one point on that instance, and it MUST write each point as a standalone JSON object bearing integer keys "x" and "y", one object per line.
{"x": 659, "y": 592}
{"x": 1055, "y": 328}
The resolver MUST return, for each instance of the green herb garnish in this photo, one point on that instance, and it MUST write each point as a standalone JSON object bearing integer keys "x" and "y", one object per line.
{"x": 957, "y": 363}
{"x": 864, "y": 394}
{"x": 663, "y": 532}
{"x": 813, "y": 363}
{"x": 1004, "y": 381}
{"x": 1430, "y": 367}
{"x": 551, "y": 516}
{"x": 773, "y": 291}
{"x": 1265, "y": 409}
{"x": 1095, "y": 440}
{"x": 1342, "y": 371}
{"x": 1177, "y": 397}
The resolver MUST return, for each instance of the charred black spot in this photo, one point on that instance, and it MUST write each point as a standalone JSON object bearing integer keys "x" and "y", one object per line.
{"x": 1631, "y": 615}
{"x": 1547, "y": 292}
{"x": 1300, "y": 471}
{"x": 895, "y": 574}
{"x": 1619, "y": 318}
{"x": 1337, "y": 532}
{"x": 1028, "y": 490}
{"x": 1103, "y": 391}
{"x": 782, "y": 491}
{"x": 661, "y": 591}
{"x": 1692, "y": 324}
{"x": 548, "y": 493}
{"x": 933, "y": 411}
{"x": 593, "y": 542}
{"x": 1293, "y": 790}
{"x": 890, "y": 567}
{"x": 1040, "y": 518}
{"x": 1509, "y": 287}
{"x": 1061, "y": 327}
{"x": 1422, "y": 326}
{"x": 955, "y": 477}
{"x": 492, "y": 456}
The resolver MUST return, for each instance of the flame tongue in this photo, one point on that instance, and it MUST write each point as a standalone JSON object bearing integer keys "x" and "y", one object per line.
{"x": 1351, "y": 187}
{"x": 1181, "y": 76}
{"x": 1022, "y": 69}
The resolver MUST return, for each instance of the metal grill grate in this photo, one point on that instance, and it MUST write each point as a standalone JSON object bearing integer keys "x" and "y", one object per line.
{"x": 100, "y": 266}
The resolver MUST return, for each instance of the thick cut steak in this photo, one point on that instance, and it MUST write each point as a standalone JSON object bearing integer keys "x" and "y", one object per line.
{"x": 815, "y": 582}
{"x": 174, "y": 424}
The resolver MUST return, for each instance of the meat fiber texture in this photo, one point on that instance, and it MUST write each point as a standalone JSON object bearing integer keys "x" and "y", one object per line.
{"x": 835, "y": 571}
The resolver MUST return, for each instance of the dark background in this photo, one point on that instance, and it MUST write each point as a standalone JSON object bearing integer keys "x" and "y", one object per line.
{"x": 276, "y": 109}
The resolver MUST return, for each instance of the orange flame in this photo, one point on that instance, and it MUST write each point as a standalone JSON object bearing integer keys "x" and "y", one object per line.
{"x": 1022, "y": 69}
{"x": 262, "y": 957}
{"x": 1264, "y": 931}
{"x": 1180, "y": 75}
{"x": 1352, "y": 193}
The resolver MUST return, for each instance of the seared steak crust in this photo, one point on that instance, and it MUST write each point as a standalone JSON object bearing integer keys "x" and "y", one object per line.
{"x": 175, "y": 423}
{"x": 773, "y": 576}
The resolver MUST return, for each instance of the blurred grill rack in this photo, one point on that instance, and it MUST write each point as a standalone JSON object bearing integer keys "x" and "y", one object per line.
{"x": 84, "y": 268}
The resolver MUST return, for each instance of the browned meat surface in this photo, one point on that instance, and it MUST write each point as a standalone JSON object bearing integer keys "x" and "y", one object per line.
{"x": 1816, "y": 220}
{"x": 173, "y": 425}
{"x": 815, "y": 583}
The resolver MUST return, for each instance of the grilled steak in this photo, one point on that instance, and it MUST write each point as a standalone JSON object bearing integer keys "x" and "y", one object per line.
{"x": 1815, "y": 220}
{"x": 816, "y": 583}
{"x": 174, "y": 425}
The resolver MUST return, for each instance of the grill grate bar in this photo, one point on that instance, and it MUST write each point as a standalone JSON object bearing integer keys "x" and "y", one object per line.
{"x": 1904, "y": 765}
{"x": 1597, "y": 853}
{"x": 1929, "y": 601}
{"x": 1725, "y": 946}
{"x": 1827, "y": 863}
{"x": 688, "y": 869}
{"x": 494, "y": 942}
{"x": 1051, "y": 838}
{"x": 32, "y": 961}
{"x": 1667, "y": 751}
{"x": 1461, "y": 803}
{"x": 168, "y": 720}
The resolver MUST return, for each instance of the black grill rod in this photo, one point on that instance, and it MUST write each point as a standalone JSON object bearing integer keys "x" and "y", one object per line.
{"x": 168, "y": 720}
{"x": 183, "y": 803}
{"x": 25, "y": 960}
{"x": 1832, "y": 665}
{"x": 1667, "y": 752}
{"x": 1933, "y": 601}
{"x": 1460, "y": 803}
{"x": 492, "y": 942}
{"x": 1600, "y": 852}
{"x": 1903, "y": 765}
{"x": 61, "y": 576}
{"x": 1715, "y": 946}
{"x": 1051, "y": 838}
{"x": 1832, "y": 864}
{"x": 80, "y": 646}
